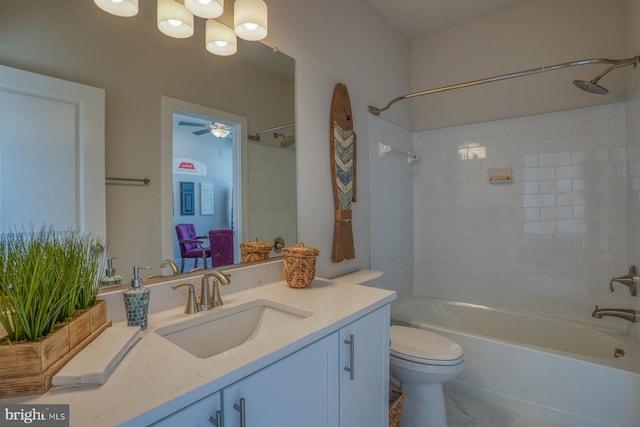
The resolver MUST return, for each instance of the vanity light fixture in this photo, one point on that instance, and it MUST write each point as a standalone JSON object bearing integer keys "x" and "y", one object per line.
{"x": 220, "y": 39}
{"x": 250, "y": 19}
{"x": 174, "y": 19}
{"x": 207, "y": 9}
{"x": 118, "y": 7}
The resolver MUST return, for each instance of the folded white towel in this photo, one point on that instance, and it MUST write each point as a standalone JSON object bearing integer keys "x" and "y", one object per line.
{"x": 94, "y": 364}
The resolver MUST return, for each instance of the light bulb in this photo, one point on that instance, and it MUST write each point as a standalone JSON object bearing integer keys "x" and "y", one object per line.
{"x": 205, "y": 8}
{"x": 174, "y": 19}
{"x": 220, "y": 39}
{"x": 250, "y": 19}
{"x": 118, "y": 7}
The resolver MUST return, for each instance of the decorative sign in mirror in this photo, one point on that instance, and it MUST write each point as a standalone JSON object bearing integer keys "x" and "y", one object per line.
{"x": 138, "y": 67}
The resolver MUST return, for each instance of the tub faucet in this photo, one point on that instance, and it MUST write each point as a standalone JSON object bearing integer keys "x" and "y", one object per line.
{"x": 622, "y": 313}
{"x": 632, "y": 280}
{"x": 218, "y": 277}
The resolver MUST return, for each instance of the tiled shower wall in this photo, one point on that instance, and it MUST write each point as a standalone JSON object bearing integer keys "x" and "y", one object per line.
{"x": 547, "y": 242}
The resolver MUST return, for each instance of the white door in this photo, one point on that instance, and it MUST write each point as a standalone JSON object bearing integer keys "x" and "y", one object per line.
{"x": 51, "y": 154}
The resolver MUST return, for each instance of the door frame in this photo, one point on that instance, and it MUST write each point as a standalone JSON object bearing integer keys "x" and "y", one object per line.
{"x": 169, "y": 106}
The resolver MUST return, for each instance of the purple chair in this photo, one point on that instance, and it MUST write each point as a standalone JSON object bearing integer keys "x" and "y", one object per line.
{"x": 221, "y": 246}
{"x": 191, "y": 246}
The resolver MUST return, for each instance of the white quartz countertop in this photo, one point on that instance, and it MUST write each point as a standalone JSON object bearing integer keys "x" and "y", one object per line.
{"x": 157, "y": 378}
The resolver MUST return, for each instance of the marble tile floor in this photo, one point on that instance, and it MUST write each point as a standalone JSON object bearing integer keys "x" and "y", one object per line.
{"x": 465, "y": 410}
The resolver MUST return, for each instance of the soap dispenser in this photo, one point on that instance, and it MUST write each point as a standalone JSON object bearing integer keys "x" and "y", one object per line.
{"x": 136, "y": 301}
{"x": 110, "y": 276}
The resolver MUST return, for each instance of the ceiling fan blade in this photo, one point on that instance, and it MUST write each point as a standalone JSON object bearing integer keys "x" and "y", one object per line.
{"x": 201, "y": 132}
{"x": 193, "y": 124}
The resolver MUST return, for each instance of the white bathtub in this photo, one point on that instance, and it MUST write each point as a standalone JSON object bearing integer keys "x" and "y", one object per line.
{"x": 563, "y": 371}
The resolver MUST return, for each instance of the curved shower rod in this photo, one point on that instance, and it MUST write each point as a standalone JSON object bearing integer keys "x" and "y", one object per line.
{"x": 588, "y": 86}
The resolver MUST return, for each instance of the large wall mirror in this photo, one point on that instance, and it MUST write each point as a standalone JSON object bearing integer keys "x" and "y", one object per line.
{"x": 140, "y": 68}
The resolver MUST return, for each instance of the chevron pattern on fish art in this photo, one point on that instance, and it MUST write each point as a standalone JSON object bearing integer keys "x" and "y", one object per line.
{"x": 343, "y": 157}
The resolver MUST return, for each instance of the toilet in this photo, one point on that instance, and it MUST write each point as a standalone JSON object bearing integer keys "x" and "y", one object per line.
{"x": 421, "y": 361}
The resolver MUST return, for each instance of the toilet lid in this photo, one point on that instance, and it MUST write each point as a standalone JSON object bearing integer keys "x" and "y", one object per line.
{"x": 422, "y": 346}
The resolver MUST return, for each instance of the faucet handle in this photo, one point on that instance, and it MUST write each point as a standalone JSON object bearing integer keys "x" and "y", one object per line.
{"x": 205, "y": 299}
{"x": 192, "y": 305}
{"x": 631, "y": 280}
{"x": 216, "y": 299}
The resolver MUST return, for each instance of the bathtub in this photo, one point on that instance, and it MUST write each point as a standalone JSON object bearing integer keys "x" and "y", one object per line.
{"x": 569, "y": 373}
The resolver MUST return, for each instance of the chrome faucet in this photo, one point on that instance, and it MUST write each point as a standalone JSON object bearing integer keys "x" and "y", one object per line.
{"x": 218, "y": 277}
{"x": 622, "y": 313}
{"x": 632, "y": 280}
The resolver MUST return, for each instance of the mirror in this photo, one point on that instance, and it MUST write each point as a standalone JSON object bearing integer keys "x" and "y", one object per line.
{"x": 138, "y": 67}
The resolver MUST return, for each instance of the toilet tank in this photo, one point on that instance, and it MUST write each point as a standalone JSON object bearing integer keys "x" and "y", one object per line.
{"x": 373, "y": 278}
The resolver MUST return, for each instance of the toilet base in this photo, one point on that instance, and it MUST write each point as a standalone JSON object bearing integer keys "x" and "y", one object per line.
{"x": 423, "y": 406}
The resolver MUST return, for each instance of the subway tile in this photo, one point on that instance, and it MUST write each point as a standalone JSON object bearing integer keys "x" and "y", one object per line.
{"x": 555, "y": 159}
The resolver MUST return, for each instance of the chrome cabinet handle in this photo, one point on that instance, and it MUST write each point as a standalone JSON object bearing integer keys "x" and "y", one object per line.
{"x": 217, "y": 421}
{"x": 240, "y": 408}
{"x": 351, "y": 342}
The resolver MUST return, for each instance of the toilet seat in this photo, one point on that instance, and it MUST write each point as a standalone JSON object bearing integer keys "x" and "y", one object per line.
{"x": 424, "y": 347}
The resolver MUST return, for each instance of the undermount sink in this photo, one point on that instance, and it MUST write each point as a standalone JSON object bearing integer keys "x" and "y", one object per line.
{"x": 221, "y": 329}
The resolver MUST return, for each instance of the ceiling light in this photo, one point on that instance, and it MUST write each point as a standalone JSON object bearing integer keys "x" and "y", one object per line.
{"x": 174, "y": 19}
{"x": 220, "y": 39}
{"x": 118, "y": 7}
{"x": 205, "y": 8}
{"x": 250, "y": 19}
{"x": 219, "y": 131}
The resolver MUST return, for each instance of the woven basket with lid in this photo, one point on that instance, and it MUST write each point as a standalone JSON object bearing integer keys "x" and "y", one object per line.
{"x": 254, "y": 251}
{"x": 299, "y": 265}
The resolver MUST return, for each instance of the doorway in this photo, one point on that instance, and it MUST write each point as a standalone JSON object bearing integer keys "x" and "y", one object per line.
{"x": 202, "y": 178}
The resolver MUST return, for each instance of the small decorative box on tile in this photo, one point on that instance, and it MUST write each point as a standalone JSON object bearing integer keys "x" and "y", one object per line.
{"x": 299, "y": 265}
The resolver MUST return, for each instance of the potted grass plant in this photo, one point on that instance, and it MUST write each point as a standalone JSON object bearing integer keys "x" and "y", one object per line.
{"x": 48, "y": 307}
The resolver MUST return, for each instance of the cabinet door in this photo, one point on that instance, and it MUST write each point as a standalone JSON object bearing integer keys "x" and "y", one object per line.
{"x": 364, "y": 366}
{"x": 299, "y": 390}
{"x": 195, "y": 415}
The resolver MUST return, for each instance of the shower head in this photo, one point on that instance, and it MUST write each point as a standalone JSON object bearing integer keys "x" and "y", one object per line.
{"x": 591, "y": 87}
{"x": 287, "y": 141}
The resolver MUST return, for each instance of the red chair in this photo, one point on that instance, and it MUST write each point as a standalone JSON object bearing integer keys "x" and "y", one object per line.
{"x": 191, "y": 246}
{"x": 221, "y": 246}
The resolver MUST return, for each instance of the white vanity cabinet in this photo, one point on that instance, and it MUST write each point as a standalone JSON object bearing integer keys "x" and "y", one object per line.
{"x": 195, "y": 415}
{"x": 364, "y": 366}
{"x": 299, "y": 390}
{"x": 340, "y": 380}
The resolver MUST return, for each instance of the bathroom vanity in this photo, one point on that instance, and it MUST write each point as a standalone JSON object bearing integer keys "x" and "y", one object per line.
{"x": 320, "y": 357}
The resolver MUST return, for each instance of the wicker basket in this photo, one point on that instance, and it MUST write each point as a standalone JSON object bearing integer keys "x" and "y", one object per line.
{"x": 299, "y": 265}
{"x": 396, "y": 398}
{"x": 254, "y": 251}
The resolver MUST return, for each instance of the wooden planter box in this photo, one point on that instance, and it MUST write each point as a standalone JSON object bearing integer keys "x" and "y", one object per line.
{"x": 28, "y": 367}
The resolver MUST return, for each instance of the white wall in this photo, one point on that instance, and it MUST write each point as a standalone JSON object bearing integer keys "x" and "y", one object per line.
{"x": 272, "y": 194}
{"x": 530, "y": 35}
{"x": 336, "y": 41}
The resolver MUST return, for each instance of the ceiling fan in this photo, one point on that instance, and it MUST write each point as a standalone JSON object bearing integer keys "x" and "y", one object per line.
{"x": 217, "y": 129}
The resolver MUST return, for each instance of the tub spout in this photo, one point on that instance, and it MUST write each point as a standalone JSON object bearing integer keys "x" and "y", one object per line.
{"x": 622, "y": 313}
